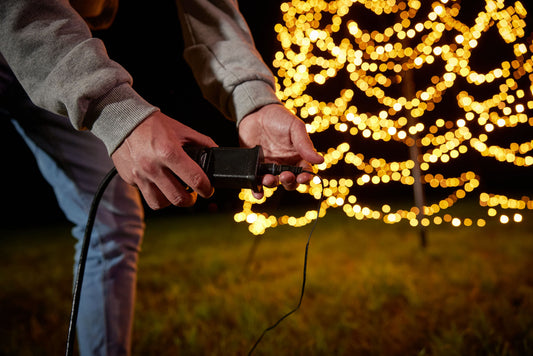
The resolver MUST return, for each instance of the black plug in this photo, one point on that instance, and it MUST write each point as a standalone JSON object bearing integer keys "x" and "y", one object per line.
{"x": 276, "y": 169}
{"x": 235, "y": 167}
{"x": 229, "y": 167}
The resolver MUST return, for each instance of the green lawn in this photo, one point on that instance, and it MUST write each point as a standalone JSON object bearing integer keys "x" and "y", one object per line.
{"x": 371, "y": 289}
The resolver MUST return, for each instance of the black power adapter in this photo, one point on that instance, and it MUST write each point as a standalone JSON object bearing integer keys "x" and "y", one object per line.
{"x": 236, "y": 167}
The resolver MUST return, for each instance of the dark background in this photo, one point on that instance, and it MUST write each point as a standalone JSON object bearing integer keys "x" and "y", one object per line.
{"x": 147, "y": 41}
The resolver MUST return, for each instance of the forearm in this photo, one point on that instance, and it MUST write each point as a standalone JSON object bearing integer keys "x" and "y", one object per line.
{"x": 63, "y": 69}
{"x": 221, "y": 53}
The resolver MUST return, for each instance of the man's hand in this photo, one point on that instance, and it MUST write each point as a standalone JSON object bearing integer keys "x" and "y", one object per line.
{"x": 152, "y": 156}
{"x": 284, "y": 140}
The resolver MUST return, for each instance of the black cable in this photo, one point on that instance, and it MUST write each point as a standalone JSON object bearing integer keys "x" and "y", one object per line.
{"x": 78, "y": 281}
{"x": 304, "y": 273}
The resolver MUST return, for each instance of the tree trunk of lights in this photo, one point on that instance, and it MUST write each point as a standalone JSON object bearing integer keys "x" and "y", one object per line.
{"x": 408, "y": 88}
{"x": 409, "y": 91}
{"x": 360, "y": 52}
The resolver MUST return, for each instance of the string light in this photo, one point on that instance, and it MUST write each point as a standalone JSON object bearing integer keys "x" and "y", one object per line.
{"x": 320, "y": 40}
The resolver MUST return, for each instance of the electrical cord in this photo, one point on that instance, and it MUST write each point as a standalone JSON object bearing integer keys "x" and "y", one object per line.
{"x": 78, "y": 280}
{"x": 304, "y": 274}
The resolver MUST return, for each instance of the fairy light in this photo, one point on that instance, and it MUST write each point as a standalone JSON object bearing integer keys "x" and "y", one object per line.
{"x": 320, "y": 40}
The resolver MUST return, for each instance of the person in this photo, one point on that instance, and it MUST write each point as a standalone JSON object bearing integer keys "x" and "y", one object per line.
{"x": 77, "y": 111}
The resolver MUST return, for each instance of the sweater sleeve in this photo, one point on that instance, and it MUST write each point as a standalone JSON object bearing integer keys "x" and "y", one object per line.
{"x": 63, "y": 69}
{"x": 222, "y": 55}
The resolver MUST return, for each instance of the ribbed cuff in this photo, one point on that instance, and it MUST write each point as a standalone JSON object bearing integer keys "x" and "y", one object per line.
{"x": 249, "y": 97}
{"x": 118, "y": 113}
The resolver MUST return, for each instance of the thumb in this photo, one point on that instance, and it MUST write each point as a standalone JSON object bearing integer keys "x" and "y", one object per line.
{"x": 303, "y": 144}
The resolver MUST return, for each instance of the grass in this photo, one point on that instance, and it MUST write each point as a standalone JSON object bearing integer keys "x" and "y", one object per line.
{"x": 371, "y": 289}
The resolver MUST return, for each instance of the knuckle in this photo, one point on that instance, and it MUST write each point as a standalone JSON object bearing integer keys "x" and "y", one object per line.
{"x": 174, "y": 198}
{"x": 183, "y": 199}
{"x": 196, "y": 181}
{"x": 156, "y": 204}
{"x": 135, "y": 175}
{"x": 199, "y": 183}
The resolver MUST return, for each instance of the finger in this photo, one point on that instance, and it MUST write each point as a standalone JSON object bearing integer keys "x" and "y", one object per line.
{"x": 203, "y": 141}
{"x": 258, "y": 195}
{"x": 270, "y": 181}
{"x": 164, "y": 190}
{"x": 175, "y": 192}
{"x": 303, "y": 144}
{"x": 304, "y": 178}
{"x": 288, "y": 180}
{"x": 306, "y": 175}
{"x": 192, "y": 175}
{"x": 152, "y": 195}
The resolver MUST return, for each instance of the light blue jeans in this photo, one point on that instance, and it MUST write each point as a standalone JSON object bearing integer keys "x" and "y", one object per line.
{"x": 74, "y": 162}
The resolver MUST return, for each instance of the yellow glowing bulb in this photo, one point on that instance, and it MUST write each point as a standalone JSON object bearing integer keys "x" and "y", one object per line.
{"x": 251, "y": 218}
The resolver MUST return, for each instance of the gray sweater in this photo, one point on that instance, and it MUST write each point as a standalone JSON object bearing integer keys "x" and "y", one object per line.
{"x": 65, "y": 70}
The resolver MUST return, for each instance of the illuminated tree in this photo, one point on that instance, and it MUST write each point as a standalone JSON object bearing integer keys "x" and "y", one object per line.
{"x": 377, "y": 79}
